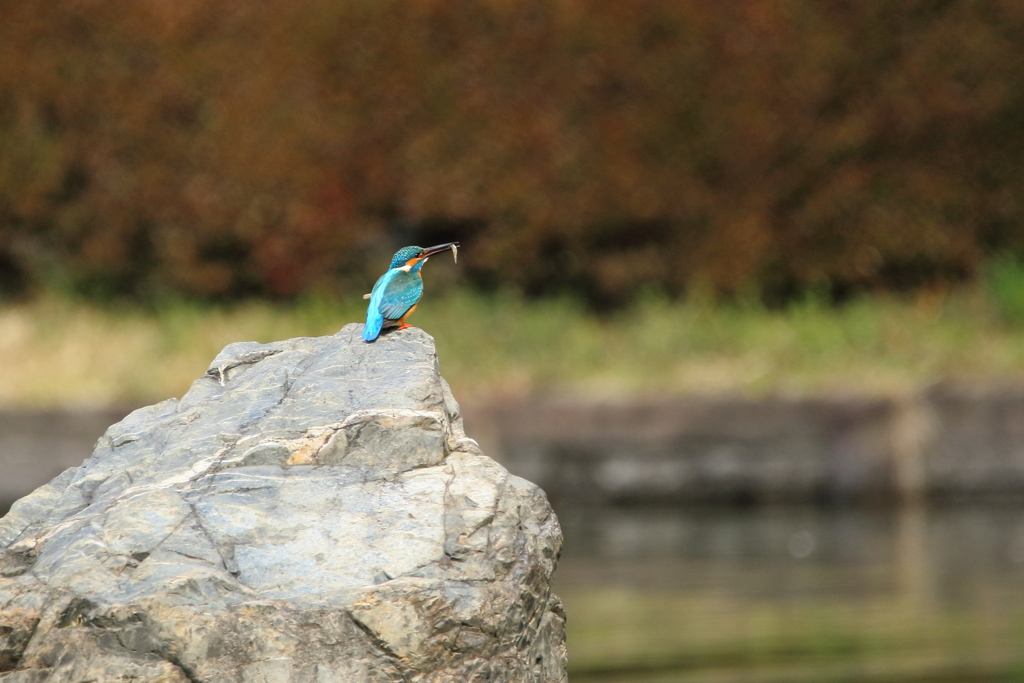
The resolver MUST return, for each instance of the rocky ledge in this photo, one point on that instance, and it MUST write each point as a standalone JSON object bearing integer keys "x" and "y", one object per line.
{"x": 310, "y": 511}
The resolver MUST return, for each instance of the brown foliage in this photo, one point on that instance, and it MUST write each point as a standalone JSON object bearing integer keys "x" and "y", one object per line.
{"x": 276, "y": 146}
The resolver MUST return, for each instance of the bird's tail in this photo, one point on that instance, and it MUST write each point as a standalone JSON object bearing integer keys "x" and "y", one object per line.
{"x": 374, "y": 321}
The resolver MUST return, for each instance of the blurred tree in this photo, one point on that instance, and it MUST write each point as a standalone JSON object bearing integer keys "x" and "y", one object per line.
{"x": 225, "y": 149}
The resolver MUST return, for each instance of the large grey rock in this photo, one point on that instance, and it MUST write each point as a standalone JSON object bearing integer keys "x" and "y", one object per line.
{"x": 311, "y": 510}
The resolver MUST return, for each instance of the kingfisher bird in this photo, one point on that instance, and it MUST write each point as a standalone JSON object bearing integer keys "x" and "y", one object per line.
{"x": 398, "y": 291}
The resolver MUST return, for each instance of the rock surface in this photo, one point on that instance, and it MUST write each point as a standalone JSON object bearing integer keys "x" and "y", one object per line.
{"x": 311, "y": 510}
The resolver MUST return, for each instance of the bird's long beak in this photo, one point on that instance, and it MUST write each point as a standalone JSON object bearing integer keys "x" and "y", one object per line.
{"x": 430, "y": 251}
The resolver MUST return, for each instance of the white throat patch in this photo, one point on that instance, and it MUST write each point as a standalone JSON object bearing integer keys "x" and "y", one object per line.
{"x": 408, "y": 268}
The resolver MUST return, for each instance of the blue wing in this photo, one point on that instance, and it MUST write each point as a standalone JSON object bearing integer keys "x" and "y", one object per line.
{"x": 374, "y": 319}
{"x": 399, "y": 294}
{"x": 394, "y": 294}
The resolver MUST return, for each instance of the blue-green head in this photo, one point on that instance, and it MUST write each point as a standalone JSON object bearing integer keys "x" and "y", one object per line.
{"x": 415, "y": 257}
{"x": 404, "y": 255}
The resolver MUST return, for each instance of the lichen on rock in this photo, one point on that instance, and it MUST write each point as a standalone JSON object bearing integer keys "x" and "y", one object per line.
{"x": 311, "y": 510}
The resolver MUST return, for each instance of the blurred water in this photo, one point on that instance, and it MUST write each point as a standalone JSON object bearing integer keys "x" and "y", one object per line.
{"x": 698, "y": 593}
{"x": 792, "y": 594}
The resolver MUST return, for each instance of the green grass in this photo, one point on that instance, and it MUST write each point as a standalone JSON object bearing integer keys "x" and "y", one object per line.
{"x": 59, "y": 353}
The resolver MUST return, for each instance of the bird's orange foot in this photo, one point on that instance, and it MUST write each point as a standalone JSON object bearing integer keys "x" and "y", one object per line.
{"x": 404, "y": 325}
